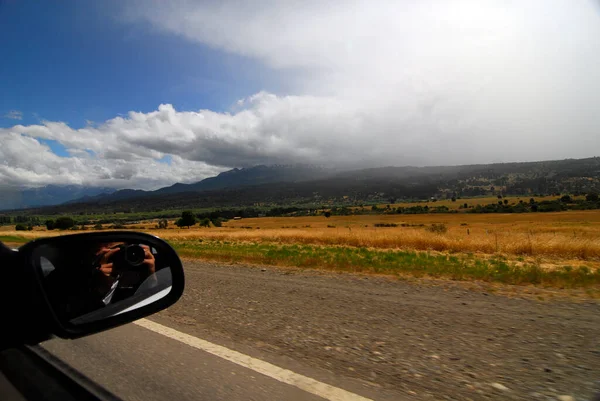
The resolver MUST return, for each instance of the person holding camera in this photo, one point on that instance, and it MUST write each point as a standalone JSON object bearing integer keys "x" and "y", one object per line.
{"x": 122, "y": 269}
{"x": 86, "y": 280}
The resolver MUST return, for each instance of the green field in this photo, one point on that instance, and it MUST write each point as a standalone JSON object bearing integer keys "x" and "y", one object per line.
{"x": 390, "y": 262}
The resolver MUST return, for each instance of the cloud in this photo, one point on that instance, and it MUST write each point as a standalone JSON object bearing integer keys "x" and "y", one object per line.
{"x": 26, "y": 161}
{"x": 374, "y": 83}
{"x": 494, "y": 80}
{"x": 14, "y": 115}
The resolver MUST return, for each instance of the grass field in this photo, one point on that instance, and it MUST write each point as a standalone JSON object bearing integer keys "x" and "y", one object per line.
{"x": 565, "y": 235}
{"x": 555, "y": 249}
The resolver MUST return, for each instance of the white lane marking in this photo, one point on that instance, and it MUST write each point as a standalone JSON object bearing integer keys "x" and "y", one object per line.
{"x": 275, "y": 372}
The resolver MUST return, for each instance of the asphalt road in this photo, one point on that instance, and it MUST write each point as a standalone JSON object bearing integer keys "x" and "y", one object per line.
{"x": 373, "y": 337}
{"x": 137, "y": 364}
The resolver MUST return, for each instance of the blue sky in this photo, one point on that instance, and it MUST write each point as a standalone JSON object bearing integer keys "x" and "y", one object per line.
{"x": 146, "y": 93}
{"x": 74, "y": 61}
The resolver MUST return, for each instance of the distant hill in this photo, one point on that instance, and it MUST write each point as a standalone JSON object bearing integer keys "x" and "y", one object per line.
{"x": 17, "y": 198}
{"x": 257, "y": 175}
{"x": 236, "y": 178}
{"x": 292, "y": 185}
{"x": 287, "y": 185}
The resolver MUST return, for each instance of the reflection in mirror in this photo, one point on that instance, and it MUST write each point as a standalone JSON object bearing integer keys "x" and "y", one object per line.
{"x": 88, "y": 280}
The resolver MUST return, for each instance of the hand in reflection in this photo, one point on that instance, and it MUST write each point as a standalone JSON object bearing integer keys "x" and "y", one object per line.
{"x": 119, "y": 278}
{"x": 106, "y": 264}
{"x": 87, "y": 279}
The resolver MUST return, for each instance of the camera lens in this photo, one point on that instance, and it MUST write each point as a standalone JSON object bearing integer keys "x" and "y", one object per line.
{"x": 134, "y": 255}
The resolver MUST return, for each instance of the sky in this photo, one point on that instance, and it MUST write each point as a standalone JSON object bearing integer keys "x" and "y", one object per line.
{"x": 142, "y": 94}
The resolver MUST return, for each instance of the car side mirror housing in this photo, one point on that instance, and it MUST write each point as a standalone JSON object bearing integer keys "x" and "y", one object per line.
{"x": 92, "y": 282}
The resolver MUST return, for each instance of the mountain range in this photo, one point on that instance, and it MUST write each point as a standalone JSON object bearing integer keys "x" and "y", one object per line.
{"x": 15, "y": 198}
{"x": 18, "y": 198}
{"x": 235, "y": 178}
{"x": 294, "y": 184}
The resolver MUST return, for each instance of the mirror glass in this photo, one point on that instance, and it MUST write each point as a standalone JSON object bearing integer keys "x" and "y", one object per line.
{"x": 90, "y": 280}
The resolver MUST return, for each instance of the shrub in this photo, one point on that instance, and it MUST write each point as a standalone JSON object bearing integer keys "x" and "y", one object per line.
{"x": 437, "y": 228}
{"x": 21, "y": 227}
{"x": 385, "y": 225}
{"x": 164, "y": 223}
{"x": 50, "y": 224}
{"x": 591, "y": 197}
{"x": 205, "y": 222}
{"x": 98, "y": 226}
{"x": 566, "y": 199}
{"x": 64, "y": 223}
{"x": 216, "y": 222}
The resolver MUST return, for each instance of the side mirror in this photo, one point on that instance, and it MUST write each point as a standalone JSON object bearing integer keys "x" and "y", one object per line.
{"x": 92, "y": 282}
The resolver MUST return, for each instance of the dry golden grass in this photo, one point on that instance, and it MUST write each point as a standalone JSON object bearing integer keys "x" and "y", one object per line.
{"x": 551, "y": 239}
{"x": 572, "y": 236}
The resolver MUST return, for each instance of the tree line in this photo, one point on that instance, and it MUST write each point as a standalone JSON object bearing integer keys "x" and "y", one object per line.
{"x": 217, "y": 217}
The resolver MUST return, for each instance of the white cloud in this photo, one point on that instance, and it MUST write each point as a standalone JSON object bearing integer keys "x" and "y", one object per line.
{"x": 493, "y": 80}
{"x": 26, "y": 161}
{"x": 376, "y": 83}
{"x": 14, "y": 115}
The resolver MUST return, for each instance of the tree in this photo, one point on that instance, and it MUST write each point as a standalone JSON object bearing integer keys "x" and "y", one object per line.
{"x": 98, "y": 226}
{"x": 531, "y": 201}
{"x": 20, "y": 227}
{"x": 64, "y": 223}
{"x": 592, "y": 197}
{"x": 327, "y": 214}
{"x": 506, "y": 201}
{"x": 164, "y": 223}
{"x": 454, "y": 199}
{"x": 50, "y": 224}
{"x": 499, "y": 196}
{"x": 205, "y": 222}
{"x": 466, "y": 206}
{"x": 566, "y": 199}
{"x": 216, "y": 222}
{"x": 187, "y": 219}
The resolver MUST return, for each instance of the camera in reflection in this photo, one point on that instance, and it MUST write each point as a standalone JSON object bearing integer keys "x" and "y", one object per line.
{"x": 129, "y": 257}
